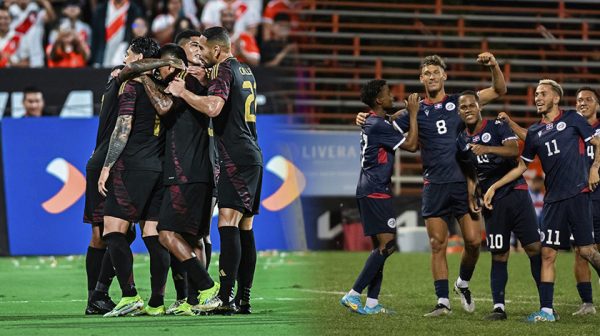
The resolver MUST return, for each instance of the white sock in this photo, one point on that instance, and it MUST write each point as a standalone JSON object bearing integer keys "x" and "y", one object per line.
{"x": 371, "y": 302}
{"x": 352, "y": 292}
{"x": 460, "y": 283}
{"x": 548, "y": 310}
{"x": 444, "y": 301}
{"x": 499, "y": 305}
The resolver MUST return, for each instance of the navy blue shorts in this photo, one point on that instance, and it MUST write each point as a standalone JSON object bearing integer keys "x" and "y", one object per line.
{"x": 512, "y": 213}
{"x": 377, "y": 215}
{"x": 443, "y": 200}
{"x": 596, "y": 216}
{"x": 563, "y": 218}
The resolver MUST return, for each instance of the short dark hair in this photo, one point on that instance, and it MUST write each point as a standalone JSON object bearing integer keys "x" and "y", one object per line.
{"x": 370, "y": 91}
{"x": 30, "y": 89}
{"x": 469, "y": 93}
{"x": 433, "y": 60}
{"x": 587, "y": 88}
{"x": 173, "y": 49}
{"x": 186, "y": 35}
{"x": 217, "y": 35}
{"x": 146, "y": 46}
{"x": 282, "y": 17}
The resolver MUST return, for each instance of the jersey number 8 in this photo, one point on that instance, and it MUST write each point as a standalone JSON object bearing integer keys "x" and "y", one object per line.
{"x": 441, "y": 126}
{"x": 250, "y": 107}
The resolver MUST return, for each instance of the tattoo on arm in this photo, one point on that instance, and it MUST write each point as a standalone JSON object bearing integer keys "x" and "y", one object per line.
{"x": 136, "y": 68}
{"x": 161, "y": 102}
{"x": 118, "y": 139}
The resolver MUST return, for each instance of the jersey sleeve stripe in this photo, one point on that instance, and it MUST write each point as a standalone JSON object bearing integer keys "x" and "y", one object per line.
{"x": 396, "y": 127}
{"x": 526, "y": 159}
{"x": 399, "y": 143}
{"x": 588, "y": 139}
{"x": 510, "y": 138}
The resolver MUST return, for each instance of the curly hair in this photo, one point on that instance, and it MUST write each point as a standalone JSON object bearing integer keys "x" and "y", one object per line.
{"x": 145, "y": 46}
{"x": 371, "y": 90}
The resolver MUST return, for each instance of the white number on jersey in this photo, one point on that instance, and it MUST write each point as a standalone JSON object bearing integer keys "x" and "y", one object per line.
{"x": 483, "y": 159}
{"x": 441, "y": 126}
{"x": 363, "y": 144}
{"x": 550, "y": 151}
{"x": 590, "y": 152}
{"x": 495, "y": 241}
{"x": 556, "y": 239}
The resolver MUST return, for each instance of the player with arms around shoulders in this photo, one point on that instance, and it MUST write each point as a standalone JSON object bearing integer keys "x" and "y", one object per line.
{"x": 379, "y": 141}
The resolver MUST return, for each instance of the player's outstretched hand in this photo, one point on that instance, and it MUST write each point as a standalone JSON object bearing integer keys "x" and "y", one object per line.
{"x": 593, "y": 179}
{"x": 176, "y": 87}
{"x": 412, "y": 104}
{"x": 198, "y": 72}
{"x": 115, "y": 73}
{"x": 487, "y": 59}
{"x": 361, "y": 118}
{"x": 478, "y": 149}
{"x": 487, "y": 198}
{"x": 176, "y": 63}
{"x": 102, "y": 181}
{"x": 503, "y": 116}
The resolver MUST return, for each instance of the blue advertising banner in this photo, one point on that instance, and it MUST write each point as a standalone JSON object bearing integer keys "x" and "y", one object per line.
{"x": 44, "y": 167}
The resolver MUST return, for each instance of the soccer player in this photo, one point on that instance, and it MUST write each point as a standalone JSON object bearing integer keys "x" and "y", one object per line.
{"x": 379, "y": 141}
{"x": 588, "y": 105}
{"x": 99, "y": 268}
{"x": 186, "y": 208}
{"x": 557, "y": 140}
{"x": 491, "y": 148}
{"x": 444, "y": 187}
{"x": 231, "y": 103}
{"x": 133, "y": 194}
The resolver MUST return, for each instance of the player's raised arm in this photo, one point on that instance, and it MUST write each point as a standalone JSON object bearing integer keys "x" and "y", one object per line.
{"x": 146, "y": 64}
{"x": 411, "y": 143}
{"x": 498, "y": 87}
{"x": 519, "y": 131}
{"x": 509, "y": 148}
{"x": 512, "y": 175}
{"x": 209, "y": 105}
{"x": 361, "y": 117}
{"x": 161, "y": 101}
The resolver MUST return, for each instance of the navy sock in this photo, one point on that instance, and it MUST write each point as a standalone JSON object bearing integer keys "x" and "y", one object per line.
{"x": 207, "y": 253}
{"x": 247, "y": 266}
{"x": 179, "y": 278}
{"x": 535, "y": 263}
{"x": 122, "y": 260}
{"x": 441, "y": 288}
{"x": 159, "y": 269}
{"x": 546, "y": 294}
{"x": 229, "y": 260}
{"x": 585, "y": 291}
{"x": 197, "y": 274}
{"x": 372, "y": 266}
{"x": 93, "y": 265}
{"x": 498, "y": 279}
{"x": 466, "y": 272}
{"x": 375, "y": 285}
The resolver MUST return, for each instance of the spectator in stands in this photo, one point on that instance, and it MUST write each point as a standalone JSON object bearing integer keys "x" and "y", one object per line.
{"x": 9, "y": 40}
{"x": 243, "y": 44}
{"x": 112, "y": 31}
{"x": 68, "y": 51}
{"x": 28, "y": 19}
{"x": 247, "y": 14}
{"x": 275, "y": 7}
{"x": 274, "y": 51}
{"x": 183, "y": 24}
{"x": 33, "y": 102}
{"x": 71, "y": 13}
{"x": 139, "y": 28}
{"x": 163, "y": 25}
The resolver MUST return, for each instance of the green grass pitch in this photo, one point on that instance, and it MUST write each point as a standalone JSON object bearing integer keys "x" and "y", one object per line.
{"x": 294, "y": 294}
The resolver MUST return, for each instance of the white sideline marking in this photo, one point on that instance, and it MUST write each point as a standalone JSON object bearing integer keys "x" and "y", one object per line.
{"x": 79, "y": 300}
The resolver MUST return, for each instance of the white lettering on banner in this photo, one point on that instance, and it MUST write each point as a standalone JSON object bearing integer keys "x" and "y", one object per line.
{"x": 329, "y": 152}
{"x": 324, "y": 229}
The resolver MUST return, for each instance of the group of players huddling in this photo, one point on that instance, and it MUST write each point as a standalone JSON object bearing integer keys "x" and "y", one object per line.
{"x": 177, "y": 128}
{"x": 468, "y": 160}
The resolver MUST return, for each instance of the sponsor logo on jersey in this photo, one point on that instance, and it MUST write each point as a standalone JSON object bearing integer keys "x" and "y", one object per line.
{"x": 486, "y": 137}
{"x": 450, "y": 106}
{"x": 391, "y": 222}
{"x": 561, "y": 126}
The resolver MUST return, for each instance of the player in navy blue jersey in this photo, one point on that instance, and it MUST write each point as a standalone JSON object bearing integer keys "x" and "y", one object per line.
{"x": 559, "y": 141}
{"x": 445, "y": 187}
{"x": 491, "y": 148}
{"x": 588, "y": 106}
{"x": 379, "y": 141}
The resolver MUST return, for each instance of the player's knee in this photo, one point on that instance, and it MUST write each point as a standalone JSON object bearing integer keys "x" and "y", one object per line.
{"x": 533, "y": 249}
{"x": 437, "y": 245}
{"x": 164, "y": 238}
{"x": 586, "y": 252}
{"x": 500, "y": 256}
{"x": 472, "y": 244}
{"x": 386, "y": 249}
{"x": 548, "y": 257}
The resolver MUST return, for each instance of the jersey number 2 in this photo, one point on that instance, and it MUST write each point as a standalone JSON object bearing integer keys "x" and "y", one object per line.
{"x": 250, "y": 107}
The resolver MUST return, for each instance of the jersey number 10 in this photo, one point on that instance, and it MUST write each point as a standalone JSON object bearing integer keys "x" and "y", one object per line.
{"x": 250, "y": 106}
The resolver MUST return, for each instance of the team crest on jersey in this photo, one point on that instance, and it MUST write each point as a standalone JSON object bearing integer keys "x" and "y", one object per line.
{"x": 476, "y": 138}
{"x": 391, "y": 222}
{"x": 437, "y": 106}
{"x": 561, "y": 126}
{"x": 450, "y": 106}
{"x": 549, "y": 127}
{"x": 486, "y": 137}
{"x": 427, "y": 112}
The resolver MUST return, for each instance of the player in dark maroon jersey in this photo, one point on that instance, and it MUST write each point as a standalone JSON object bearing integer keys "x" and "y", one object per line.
{"x": 558, "y": 140}
{"x": 231, "y": 103}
